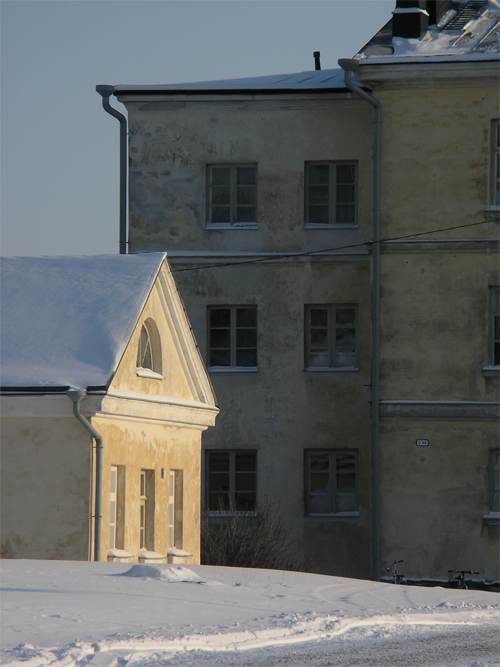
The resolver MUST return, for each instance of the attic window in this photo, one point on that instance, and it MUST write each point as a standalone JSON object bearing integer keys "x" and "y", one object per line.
{"x": 149, "y": 361}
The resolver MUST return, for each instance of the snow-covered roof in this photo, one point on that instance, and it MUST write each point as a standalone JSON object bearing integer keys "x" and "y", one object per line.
{"x": 464, "y": 33}
{"x": 302, "y": 81}
{"x": 67, "y": 320}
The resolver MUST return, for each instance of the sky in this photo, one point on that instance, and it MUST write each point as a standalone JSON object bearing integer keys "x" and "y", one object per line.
{"x": 79, "y": 614}
{"x": 60, "y": 149}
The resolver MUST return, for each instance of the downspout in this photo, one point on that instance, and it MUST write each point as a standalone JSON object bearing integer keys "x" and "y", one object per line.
{"x": 106, "y": 92}
{"x": 349, "y": 66}
{"x": 76, "y": 396}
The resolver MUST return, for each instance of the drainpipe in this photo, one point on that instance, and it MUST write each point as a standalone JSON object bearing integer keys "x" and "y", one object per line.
{"x": 76, "y": 396}
{"x": 106, "y": 92}
{"x": 349, "y": 66}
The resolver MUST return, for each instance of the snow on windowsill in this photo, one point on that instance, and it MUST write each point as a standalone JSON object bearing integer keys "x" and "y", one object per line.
{"x": 490, "y": 371}
{"x": 492, "y": 213}
{"x": 233, "y": 369}
{"x": 315, "y": 225}
{"x": 330, "y": 369}
{"x": 492, "y": 519}
{"x": 333, "y": 515}
{"x": 179, "y": 553}
{"x": 119, "y": 553}
{"x": 150, "y": 555}
{"x": 148, "y": 373}
{"x": 215, "y": 513}
{"x": 228, "y": 225}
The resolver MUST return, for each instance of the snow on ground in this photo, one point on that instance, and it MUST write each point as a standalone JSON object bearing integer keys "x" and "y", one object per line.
{"x": 67, "y": 613}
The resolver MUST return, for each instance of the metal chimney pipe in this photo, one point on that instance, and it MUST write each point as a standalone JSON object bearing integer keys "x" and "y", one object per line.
{"x": 317, "y": 63}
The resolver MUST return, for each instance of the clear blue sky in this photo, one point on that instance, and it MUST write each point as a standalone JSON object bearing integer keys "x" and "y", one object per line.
{"x": 60, "y": 159}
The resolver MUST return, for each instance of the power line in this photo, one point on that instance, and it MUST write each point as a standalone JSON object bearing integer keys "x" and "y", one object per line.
{"x": 324, "y": 250}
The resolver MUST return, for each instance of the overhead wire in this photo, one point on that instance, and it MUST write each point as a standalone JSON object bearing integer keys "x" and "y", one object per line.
{"x": 307, "y": 253}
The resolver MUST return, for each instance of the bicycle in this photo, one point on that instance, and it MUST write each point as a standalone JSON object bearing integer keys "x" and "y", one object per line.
{"x": 461, "y": 577}
{"x": 396, "y": 577}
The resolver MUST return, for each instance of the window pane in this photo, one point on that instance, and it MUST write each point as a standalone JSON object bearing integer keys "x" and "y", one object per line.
{"x": 346, "y": 214}
{"x": 218, "y": 482}
{"x": 113, "y": 481}
{"x": 246, "y": 317}
{"x": 221, "y": 196}
{"x": 318, "y": 194}
{"x": 220, "y": 214}
{"x": 220, "y": 317}
{"x": 244, "y": 481}
{"x": 345, "y": 194}
{"x": 319, "y": 481}
{"x": 220, "y": 358}
{"x": 111, "y": 537}
{"x": 218, "y": 462}
{"x": 245, "y": 461}
{"x": 245, "y": 196}
{"x": 221, "y": 176}
{"x": 246, "y": 358}
{"x": 246, "y": 338}
{"x": 318, "y": 174}
{"x": 345, "y": 358}
{"x": 245, "y": 502}
{"x": 319, "y": 215}
{"x": 346, "y": 173}
{"x": 247, "y": 175}
{"x": 220, "y": 338}
{"x": 319, "y": 338}
{"x": 218, "y": 502}
{"x": 246, "y": 214}
{"x": 345, "y": 338}
{"x": 319, "y": 317}
{"x": 319, "y": 462}
{"x": 346, "y": 316}
{"x": 318, "y": 504}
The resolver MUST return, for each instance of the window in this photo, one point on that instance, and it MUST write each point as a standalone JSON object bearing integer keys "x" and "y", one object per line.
{"x": 495, "y": 326}
{"x": 495, "y": 163}
{"x": 330, "y": 336}
{"x": 331, "y": 481}
{"x": 494, "y": 474}
{"x": 232, "y": 194}
{"x": 117, "y": 507}
{"x": 149, "y": 361}
{"x": 175, "y": 509}
{"x": 331, "y": 193}
{"x": 147, "y": 505}
{"x": 232, "y": 337}
{"x": 231, "y": 480}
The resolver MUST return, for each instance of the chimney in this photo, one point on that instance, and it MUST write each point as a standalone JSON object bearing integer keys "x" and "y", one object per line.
{"x": 410, "y": 20}
{"x": 317, "y": 64}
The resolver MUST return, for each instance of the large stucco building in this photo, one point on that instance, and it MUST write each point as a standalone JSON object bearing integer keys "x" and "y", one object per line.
{"x": 265, "y": 192}
{"x": 104, "y": 400}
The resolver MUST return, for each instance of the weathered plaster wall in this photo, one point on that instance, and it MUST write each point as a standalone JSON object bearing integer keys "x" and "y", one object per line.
{"x": 171, "y": 142}
{"x": 46, "y": 486}
{"x": 280, "y": 410}
{"x": 436, "y": 148}
{"x": 434, "y": 498}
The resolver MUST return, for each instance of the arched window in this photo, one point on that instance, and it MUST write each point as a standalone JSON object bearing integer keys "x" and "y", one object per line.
{"x": 149, "y": 350}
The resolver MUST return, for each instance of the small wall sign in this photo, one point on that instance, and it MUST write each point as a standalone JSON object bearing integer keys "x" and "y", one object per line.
{"x": 422, "y": 443}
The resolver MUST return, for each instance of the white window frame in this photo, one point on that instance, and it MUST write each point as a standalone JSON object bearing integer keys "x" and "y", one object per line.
{"x": 495, "y": 164}
{"x": 233, "y": 328}
{"x": 332, "y": 327}
{"x": 332, "y": 195}
{"x": 233, "y": 204}
{"x": 332, "y": 496}
{"x": 232, "y": 473}
{"x": 147, "y": 510}
{"x": 113, "y": 509}
{"x": 149, "y": 354}
{"x": 175, "y": 509}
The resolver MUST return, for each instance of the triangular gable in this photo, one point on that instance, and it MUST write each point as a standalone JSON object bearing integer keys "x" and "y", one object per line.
{"x": 183, "y": 375}
{"x": 66, "y": 321}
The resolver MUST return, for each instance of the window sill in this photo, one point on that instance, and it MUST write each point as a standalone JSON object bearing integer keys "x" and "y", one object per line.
{"x": 315, "y": 225}
{"x": 491, "y": 519}
{"x": 149, "y": 555}
{"x": 232, "y": 369}
{"x": 336, "y": 515}
{"x": 490, "y": 371}
{"x": 219, "y": 514}
{"x": 331, "y": 369}
{"x": 148, "y": 373}
{"x": 492, "y": 213}
{"x": 236, "y": 225}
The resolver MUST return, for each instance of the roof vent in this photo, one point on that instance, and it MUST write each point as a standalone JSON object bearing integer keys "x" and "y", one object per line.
{"x": 317, "y": 63}
{"x": 470, "y": 12}
{"x": 409, "y": 20}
